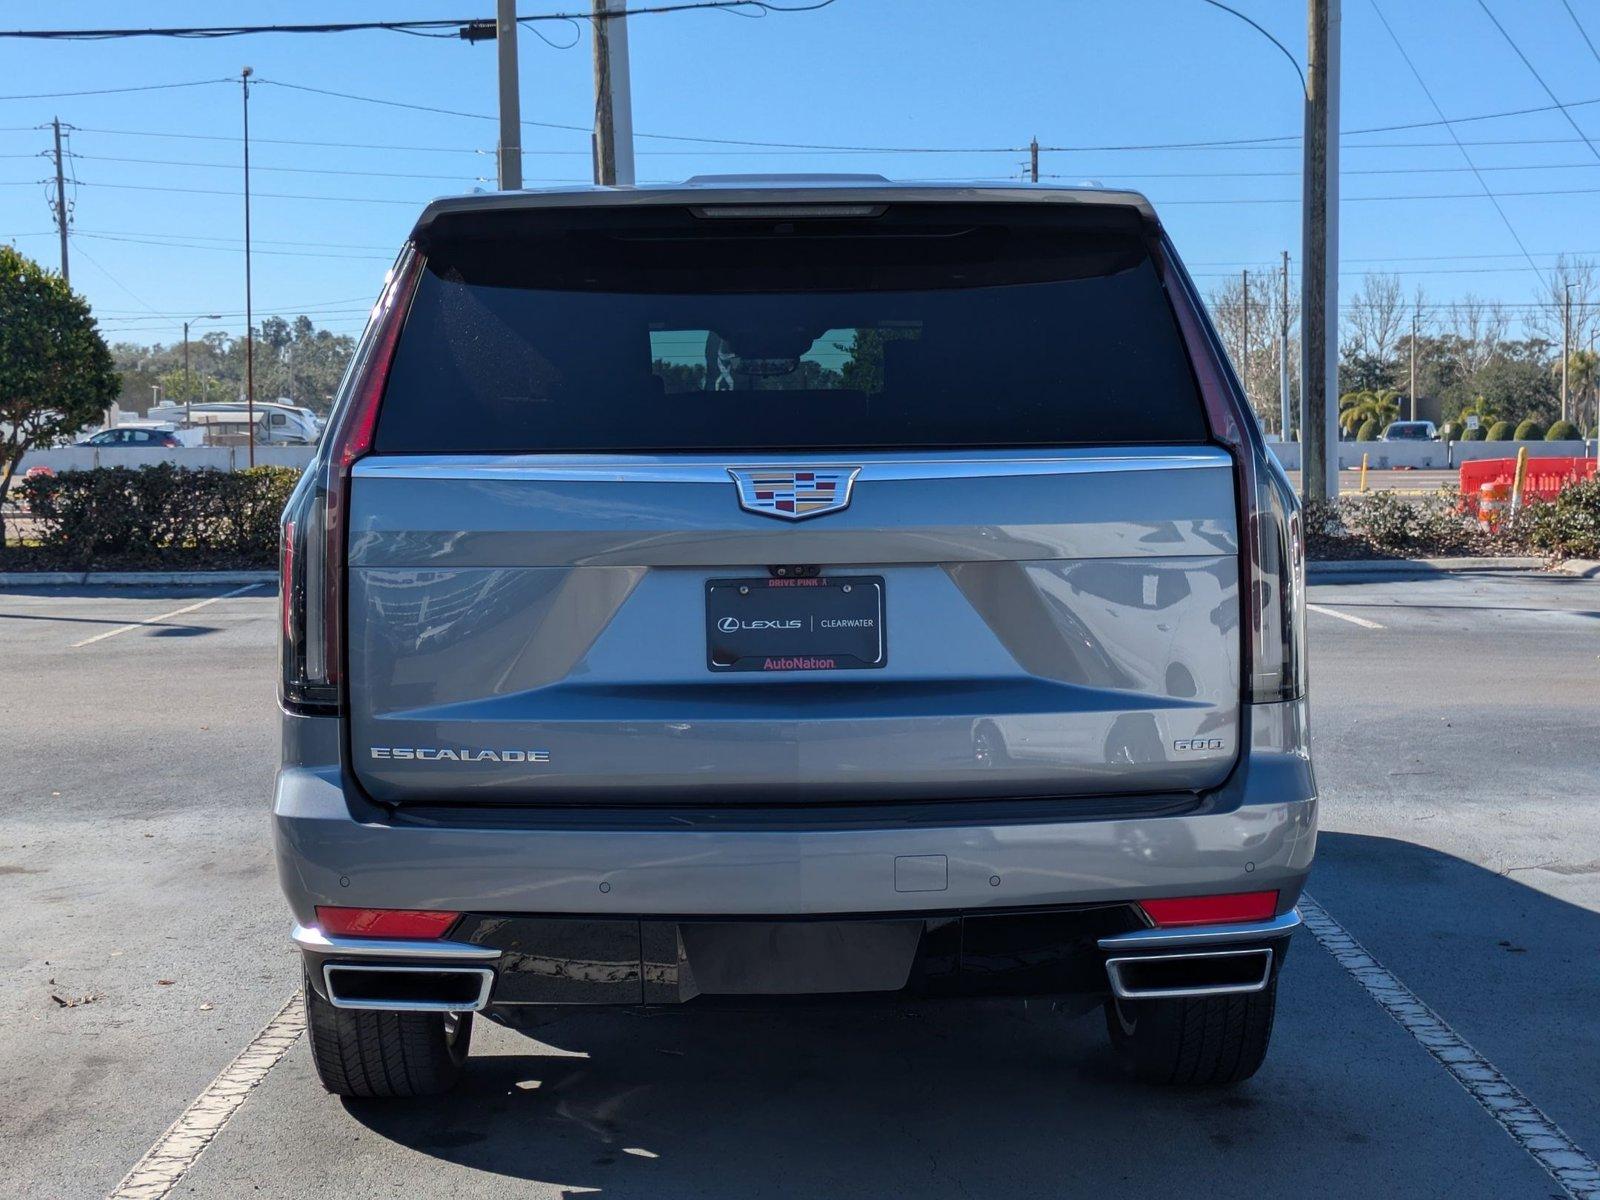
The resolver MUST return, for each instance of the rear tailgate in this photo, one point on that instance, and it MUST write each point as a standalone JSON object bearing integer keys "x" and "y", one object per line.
{"x": 530, "y": 630}
{"x": 1040, "y": 543}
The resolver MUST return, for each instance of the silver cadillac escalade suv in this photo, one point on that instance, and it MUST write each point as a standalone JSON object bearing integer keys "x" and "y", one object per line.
{"x": 806, "y": 587}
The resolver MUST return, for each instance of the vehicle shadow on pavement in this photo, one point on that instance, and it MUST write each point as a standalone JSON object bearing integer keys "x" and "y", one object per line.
{"x": 968, "y": 1100}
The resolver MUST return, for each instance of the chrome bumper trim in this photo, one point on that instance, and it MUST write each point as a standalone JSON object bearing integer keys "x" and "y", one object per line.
{"x": 319, "y": 942}
{"x": 1202, "y": 935}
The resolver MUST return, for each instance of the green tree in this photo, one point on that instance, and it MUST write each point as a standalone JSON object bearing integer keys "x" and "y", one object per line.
{"x": 1357, "y": 408}
{"x": 56, "y": 375}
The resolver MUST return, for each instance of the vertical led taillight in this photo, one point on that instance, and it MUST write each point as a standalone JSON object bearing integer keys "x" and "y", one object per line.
{"x": 1271, "y": 537}
{"x": 315, "y": 528}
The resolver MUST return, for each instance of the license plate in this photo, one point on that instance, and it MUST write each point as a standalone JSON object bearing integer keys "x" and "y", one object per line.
{"x": 819, "y": 624}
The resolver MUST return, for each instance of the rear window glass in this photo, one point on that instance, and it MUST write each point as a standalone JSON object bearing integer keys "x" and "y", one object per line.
{"x": 918, "y": 329}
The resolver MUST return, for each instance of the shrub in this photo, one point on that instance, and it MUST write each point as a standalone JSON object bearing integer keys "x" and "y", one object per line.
{"x": 1562, "y": 431}
{"x": 1450, "y": 432}
{"x": 118, "y": 516}
{"x": 1530, "y": 431}
{"x": 1399, "y": 525}
{"x": 1472, "y": 433}
{"x": 1501, "y": 431}
{"x": 1369, "y": 431}
{"x": 1569, "y": 525}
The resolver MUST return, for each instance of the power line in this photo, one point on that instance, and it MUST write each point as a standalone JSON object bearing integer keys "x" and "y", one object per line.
{"x": 184, "y": 245}
{"x": 1262, "y": 30}
{"x": 228, "y": 166}
{"x": 1426, "y": 91}
{"x": 1090, "y": 172}
{"x": 1582, "y": 32}
{"x": 584, "y": 153}
{"x": 1407, "y": 196}
{"x": 1250, "y": 262}
{"x": 218, "y": 137}
{"x": 1534, "y": 71}
{"x": 199, "y": 237}
{"x": 147, "y": 87}
{"x": 426, "y": 28}
{"x": 1085, "y": 171}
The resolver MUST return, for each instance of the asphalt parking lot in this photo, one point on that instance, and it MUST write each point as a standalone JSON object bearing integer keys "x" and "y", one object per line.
{"x": 1455, "y": 721}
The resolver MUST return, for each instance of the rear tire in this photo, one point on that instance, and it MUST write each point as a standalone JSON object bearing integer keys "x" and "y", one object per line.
{"x": 370, "y": 1054}
{"x": 1196, "y": 1041}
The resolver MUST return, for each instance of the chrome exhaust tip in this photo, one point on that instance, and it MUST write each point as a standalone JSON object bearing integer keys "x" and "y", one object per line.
{"x": 409, "y": 988}
{"x": 1197, "y": 973}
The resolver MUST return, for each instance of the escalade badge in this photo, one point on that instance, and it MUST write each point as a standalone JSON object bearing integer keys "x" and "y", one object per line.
{"x": 794, "y": 493}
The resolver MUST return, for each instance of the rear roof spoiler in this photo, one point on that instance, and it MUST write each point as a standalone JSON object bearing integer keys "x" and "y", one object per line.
{"x": 777, "y": 191}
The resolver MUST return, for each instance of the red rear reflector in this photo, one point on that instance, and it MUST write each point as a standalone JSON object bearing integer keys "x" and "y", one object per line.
{"x": 384, "y": 922}
{"x": 1212, "y": 910}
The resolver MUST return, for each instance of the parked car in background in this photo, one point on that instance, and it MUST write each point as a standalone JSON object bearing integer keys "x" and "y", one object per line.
{"x": 1410, "y": 431}
{"x": 758, "y": 590}
{"x": 135, "y": 437}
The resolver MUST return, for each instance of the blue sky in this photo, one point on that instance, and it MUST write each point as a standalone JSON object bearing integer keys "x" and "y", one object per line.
{"x": 933, "y": 74}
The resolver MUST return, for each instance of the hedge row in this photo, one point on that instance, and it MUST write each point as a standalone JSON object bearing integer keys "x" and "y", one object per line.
{"x": 1384, "y": 525}
{"x": 164, "y": 515}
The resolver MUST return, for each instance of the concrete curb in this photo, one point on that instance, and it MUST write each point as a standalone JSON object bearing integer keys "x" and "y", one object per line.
{"x": 1420, "y": 566}
{"x": 135, "y": 578}
{"x": 1583, "y": 568}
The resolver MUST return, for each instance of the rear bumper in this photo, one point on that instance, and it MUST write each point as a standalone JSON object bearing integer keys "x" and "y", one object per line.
{"x": 617, "y": 900}
{"x": 326, "y": 856}
{"x": 511, "y": 963}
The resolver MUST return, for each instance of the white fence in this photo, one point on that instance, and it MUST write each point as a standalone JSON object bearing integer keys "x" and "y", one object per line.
{"x": 1440, "y": 456}
{"x": 223, "y": 458}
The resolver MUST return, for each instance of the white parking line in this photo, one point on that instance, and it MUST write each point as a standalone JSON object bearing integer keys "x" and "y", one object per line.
{"x": 1547, "y": 1142}
{"x": 175, "y": 1151}
{"x": 1333, "y": 612}
{"x": 177, "y": 612}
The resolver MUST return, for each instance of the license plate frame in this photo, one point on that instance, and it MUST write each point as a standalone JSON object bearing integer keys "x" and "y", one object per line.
{"x": 792, "y": 625}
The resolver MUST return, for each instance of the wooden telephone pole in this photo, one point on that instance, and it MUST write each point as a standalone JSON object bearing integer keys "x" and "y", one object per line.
{"x": 1319, "y": 272}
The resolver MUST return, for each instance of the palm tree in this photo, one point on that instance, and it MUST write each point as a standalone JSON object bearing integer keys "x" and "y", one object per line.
{"x": 1357, "y": 408}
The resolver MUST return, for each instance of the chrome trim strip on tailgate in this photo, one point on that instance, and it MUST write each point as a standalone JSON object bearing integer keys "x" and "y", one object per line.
{"x": 700, "y": 468}
{"x": 1203, "y": 935}
{"x": 319, "y": 942}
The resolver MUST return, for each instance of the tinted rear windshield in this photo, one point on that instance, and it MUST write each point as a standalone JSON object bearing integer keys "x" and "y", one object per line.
{"x": 916, "y": 327}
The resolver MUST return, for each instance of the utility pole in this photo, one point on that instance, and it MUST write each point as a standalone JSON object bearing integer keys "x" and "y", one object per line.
{"x": 1566, "y": 347}
{"x": 249, "y": 332}
{"x": 187, "y": 395}
{"x": 1244, "y": 356}
{"x": 1319, "y": 274}
{"x": 613, "y": 96}
{"x": 1416, "y": 312}
{"x": 505, "y": 41}
{"x": 61, "y": 204}
{"x": 1283, "y": 353}
{"x": 1033, "y": 160}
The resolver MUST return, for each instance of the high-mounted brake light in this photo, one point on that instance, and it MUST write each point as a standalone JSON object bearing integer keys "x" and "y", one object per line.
{"x": 384, "y": 922}
{"x": 1210, "y": 910}
{"x": 1271, "y": 539}
{"x": 316, "y": 519}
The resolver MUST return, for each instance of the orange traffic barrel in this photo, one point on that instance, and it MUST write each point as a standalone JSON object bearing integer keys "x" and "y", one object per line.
{"x": 1494, "y": 501}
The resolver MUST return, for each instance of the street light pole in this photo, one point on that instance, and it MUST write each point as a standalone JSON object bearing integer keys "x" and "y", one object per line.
{"x": 1566, "y": 347}
{"x": 187, "y": 393}
{"x": 1283, "y": 353}
{"x": 249, "y": 333}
